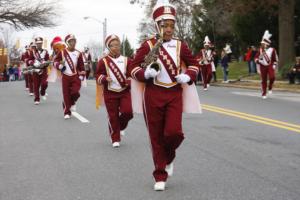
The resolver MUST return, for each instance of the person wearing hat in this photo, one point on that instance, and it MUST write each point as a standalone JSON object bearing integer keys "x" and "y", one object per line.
{"x": 39, "y": 57}
{"x": 29, "y": 60}
{"x": 163, "y": 96}
{"x": 70, "y": 62}
{"x": 266, "y": 60}
{"x": 24, "y": 66}
{"x": 87, "y": 60}
{"x": 206, "y": 60}
{"x": 111, "y": 73}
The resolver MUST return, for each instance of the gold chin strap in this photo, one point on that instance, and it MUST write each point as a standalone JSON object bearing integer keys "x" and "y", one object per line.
{"x": 162, "y": 28}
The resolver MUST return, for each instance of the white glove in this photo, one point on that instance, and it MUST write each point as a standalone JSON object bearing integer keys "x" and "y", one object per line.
{"x": 81, "y": 77}
{"x": 36, "y": 63}
{"x": 183, "y": 78}
{"x": 151, "y": 73}
{"x": 274, "y": 66}
{"x": 60, "y": 66}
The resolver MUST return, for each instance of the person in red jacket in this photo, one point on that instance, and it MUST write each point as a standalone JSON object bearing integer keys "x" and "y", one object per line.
{"x": 70, "y": 62}
{"x": 111, "y": 73}
{"x": 39, "y": 58}
{"x": 163, "y": 92}
{"x": 266, "y": 60}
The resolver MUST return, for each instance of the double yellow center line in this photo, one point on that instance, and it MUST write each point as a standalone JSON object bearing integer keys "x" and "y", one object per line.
{"x": 254, "y": 118}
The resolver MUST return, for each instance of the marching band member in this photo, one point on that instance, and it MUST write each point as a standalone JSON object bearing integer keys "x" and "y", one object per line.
{"x": 266, "y": 59}
{"x": 206, "y": 60}
{"x": 164, "y": 81}
{"x": 29, "y": 62}
{"x": 24, "y": 66}
{"x": 111, "y": 73}
{"x": 69, "y": 61}
{"x": 87, "y": 60}
{"x": 40, "y": 59}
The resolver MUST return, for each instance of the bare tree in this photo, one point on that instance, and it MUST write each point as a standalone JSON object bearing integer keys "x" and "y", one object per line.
{"x": 183, "y": 18}
{"x": 24, "y": 14}
{"x": 95, "y": 48}
{"x": 7, "y": 36}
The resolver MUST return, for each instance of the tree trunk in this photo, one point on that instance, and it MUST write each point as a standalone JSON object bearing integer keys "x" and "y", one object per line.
{"x": 286, "y": 32}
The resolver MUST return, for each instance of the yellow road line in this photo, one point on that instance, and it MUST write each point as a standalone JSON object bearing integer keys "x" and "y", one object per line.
{"x": 254, "y": 118}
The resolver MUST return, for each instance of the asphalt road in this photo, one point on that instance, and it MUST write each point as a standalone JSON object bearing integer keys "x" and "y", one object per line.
{"x": 224, "y": 157}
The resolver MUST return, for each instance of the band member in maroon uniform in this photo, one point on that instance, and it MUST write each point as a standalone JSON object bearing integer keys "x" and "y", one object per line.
{"x": 29, "y": 60}
{"x": 25, "y": 73}
{"x": 39, "y": 59}
{"x": 87, "y": 60}
{"x": 163, "y": 92}
{"x": 206, "y": 59}
{"x": 111, "y": 73}
{"x": 266, "y": 59}
{"x": 69, "y": 61}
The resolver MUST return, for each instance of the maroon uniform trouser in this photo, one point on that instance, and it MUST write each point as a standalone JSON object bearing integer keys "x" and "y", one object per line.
{"x": 26, "y": 77}
{"x": 119, "y": 109}
{"x": 70, "y": 88}
{"x": 206, "y": 71}
{"x": 265, "y": 72}
{"x": 40, "y": 84}
{"x": 163, "y": 116}
{"x": 30, "y": 82}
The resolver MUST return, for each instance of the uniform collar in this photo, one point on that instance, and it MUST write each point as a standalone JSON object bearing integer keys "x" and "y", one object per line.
{"x": 113, "y": 56}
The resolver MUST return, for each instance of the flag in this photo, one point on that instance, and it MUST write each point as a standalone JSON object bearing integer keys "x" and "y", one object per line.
{"x": 17, "y": 44}
{"x": 45, "y": 43}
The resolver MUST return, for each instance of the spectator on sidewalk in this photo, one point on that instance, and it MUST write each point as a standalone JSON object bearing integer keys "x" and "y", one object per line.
{"x": 294, "y": 73}
{"x": 248, "y": 59}
{"x": 5, "y": 73}
{"x": 11, "y": 73}
{"x": 16, "y": 72}
{"x": 252, "y": 62}
{"x": 224, "y": 64}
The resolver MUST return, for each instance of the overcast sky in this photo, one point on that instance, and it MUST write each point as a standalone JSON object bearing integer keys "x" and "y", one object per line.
{"x": 122, "y": 18}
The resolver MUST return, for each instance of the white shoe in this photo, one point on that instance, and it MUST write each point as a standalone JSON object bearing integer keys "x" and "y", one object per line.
{"x": 36, "y": 103}
{"x": 264, "y": 97}
{"x": 44, "y": 97}
{"x": 31, "y": 94}
{"x": 116, "y": 144}
{"x": 73, "y": 108}
{"x": 67, "y": 116}
{"x": 160, "y": 186}
{"x": 123, "y": 133}
{"x": 205, "y": 89}
{"x": 208, "y": 85}
{"x": 46, "y": 94}
{"x": 270, "y": 92}
{"x": 170, "y": 169}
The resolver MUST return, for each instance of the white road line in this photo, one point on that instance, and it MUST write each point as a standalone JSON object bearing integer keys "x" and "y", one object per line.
{"x": 80, "y": 118}
{"x": 275, "y": 95}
